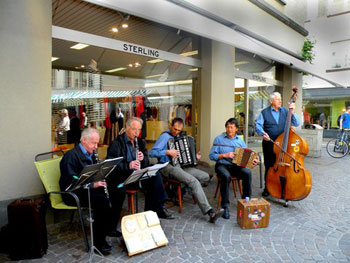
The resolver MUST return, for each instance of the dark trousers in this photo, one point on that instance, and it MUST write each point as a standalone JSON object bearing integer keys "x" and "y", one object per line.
{"x": 155, "y": 194}
{"x": 224, "y": 172}
{"x": 116, "y": 197}
{"x": 269, "y": 156}
{"x": 103, "y": 215}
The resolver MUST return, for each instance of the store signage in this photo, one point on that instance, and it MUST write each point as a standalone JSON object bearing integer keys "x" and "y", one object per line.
{"x": 114, "y": 44}
{"x": 259, "y": 78}
{"x": 140, "y": 50}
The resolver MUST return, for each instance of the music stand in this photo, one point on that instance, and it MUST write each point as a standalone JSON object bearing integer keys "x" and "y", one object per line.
{"x": 91, "y": 174}
{"x": 143, "y": 174}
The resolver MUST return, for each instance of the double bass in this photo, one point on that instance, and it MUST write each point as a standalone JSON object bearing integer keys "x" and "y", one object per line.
{"x": 288, "y": 179}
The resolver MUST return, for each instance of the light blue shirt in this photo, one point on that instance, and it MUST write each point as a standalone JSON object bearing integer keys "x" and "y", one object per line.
{"x": 160, "y": 147}
{"x": 259, "y": 124}
{"x": 88, "y": 155}
{"x": 232, "y": 144}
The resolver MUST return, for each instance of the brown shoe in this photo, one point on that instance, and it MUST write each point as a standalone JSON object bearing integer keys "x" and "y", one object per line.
{"x": 214, "y": 215}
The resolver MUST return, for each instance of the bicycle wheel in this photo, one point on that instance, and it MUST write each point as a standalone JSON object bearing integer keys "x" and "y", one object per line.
{"x": 337, "y": 148}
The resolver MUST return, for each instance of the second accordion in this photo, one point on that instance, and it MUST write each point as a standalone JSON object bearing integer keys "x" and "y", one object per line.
{"x": 244, "y": 157}
{"x": 186, "y": 148}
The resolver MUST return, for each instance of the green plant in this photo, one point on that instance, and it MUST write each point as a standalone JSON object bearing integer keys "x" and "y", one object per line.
{"x": 307, "y": 51}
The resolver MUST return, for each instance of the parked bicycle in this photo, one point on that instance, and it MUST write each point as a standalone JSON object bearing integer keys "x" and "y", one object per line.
{"x": 340, "y": 146}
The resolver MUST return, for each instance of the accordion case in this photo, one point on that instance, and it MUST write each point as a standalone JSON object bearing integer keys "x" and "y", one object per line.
{"x": 187, "y": 150}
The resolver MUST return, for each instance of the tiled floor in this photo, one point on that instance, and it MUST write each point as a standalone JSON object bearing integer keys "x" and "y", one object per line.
{"x": 316, "y": 229}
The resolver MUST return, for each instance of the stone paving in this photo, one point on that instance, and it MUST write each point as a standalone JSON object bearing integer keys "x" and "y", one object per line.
{"x": 316, "y": 229}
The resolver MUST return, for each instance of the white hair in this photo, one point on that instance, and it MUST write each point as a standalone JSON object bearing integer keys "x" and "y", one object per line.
{"x": 274, "y": 94}
{"x": 86, "y": 133}
{"x": 132, "y": 119}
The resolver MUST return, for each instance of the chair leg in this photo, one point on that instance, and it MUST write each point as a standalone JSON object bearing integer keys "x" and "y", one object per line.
{"x": 219, "y": 201}
{"x": 137, "y": 202}
{"x": 234, "y": 188}
{"x": 217, "y": 189}
{"x": 131, "y": 203}
{"x": 240, "y": 187}
{"x": 72, "y": 217}
{"x": 179, "y": 196}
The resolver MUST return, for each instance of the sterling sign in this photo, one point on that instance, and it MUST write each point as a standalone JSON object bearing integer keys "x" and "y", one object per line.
{"x": 141, "y": 50}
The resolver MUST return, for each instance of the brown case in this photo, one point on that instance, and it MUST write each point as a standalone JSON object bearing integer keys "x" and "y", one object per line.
{"x": 254, "y": 214}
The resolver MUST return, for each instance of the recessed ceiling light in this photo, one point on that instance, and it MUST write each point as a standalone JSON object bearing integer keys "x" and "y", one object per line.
{"x": 193, "y": 69}
{"x": 54, "y": 58}
{"x": 241, "y": 63}
{"x": 130, "y": 65}
{"x": 79, "y": 46}
{"x": 115, "y": 30}
{"x": 154, "y": 76}
{"x": 82, "y": 66}
{"x": 125, "y": 25}
{"x": 155, "y": 61}
{"x": 190, "y": 53}
{"x": 115, "y": 70}
{"x": 137, "y": 64}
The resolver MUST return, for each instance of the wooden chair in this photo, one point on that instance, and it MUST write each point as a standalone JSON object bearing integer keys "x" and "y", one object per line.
{"x": 132, "y": 199}
{"x": 177, "y": 184}
{"x": 234, "y": 180}
{"x": 49, "y": 172}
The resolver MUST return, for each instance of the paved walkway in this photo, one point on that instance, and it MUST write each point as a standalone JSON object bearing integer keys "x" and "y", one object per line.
{"x": 316, "y": 229}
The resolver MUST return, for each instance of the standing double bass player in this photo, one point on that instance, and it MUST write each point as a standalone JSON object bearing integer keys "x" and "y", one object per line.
{"x": 287, "y": 178}
{"x": 270, "y": 125}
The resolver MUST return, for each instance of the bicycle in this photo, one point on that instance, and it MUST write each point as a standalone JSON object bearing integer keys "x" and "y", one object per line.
{"x": 339, "y": 147}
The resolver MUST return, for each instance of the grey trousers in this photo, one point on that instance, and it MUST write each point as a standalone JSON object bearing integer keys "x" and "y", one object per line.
{"x": 193, "y": 178}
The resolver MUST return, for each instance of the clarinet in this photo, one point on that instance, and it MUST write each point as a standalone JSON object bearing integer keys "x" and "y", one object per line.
{"x": 105, "y": 187}
{"x": 136, "y": 148}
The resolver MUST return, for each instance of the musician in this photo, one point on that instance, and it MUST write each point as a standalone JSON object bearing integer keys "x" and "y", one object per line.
{"x": 71, "y": 165}
{"x": 270, "y": 124}
{"x": 222, "y": 152}
{"x": 191, "y": 176}
{"x": 135, "y": 154}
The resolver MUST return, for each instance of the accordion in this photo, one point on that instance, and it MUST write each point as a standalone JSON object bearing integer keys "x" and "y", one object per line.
{"x": 244, "y": 157}
{"x": 187, "y": 150}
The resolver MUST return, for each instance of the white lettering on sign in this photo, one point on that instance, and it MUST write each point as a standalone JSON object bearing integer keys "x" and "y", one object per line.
{"x": 141, "y": 50}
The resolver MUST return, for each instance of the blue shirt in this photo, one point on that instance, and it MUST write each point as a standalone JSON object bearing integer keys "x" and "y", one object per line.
{"x": 160, "y": 147}
{"x": 88, "y": 155}
{"x": 232, "y": 143}
{"x": 259, "y": 124}
{"x": 346, "y": 120}
{"x": 131, "y": 151}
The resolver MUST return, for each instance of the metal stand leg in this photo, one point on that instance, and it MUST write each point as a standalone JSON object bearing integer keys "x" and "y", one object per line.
{"x": 92, "y": 247}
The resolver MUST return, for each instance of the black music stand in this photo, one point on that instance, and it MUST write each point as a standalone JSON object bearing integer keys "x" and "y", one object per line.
{"x": 141, "y": 174}
{"x": 91, "y": 174}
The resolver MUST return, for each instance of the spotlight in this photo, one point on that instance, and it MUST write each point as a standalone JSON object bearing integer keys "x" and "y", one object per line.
{"x": 125, "y": 25}
{"x": 115, "y": 30}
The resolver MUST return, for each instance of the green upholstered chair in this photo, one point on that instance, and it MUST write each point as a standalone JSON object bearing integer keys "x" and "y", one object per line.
{"x": 49, "y": 172}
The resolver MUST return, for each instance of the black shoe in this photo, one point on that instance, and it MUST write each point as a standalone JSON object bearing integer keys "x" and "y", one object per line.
{"x": 164, "y": 213}
{"x": 226, "y": 213}
{"x": 114, "y": 233}
{"x": 214, "y": 215}
{"x": 265, "y": 193}
{"x": 104, "y": 247}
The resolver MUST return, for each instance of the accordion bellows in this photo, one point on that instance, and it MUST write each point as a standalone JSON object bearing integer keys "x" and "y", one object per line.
{"x": 244, "y": 157}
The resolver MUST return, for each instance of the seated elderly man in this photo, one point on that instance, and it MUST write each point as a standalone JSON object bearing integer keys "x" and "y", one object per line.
{"x": 71, "y": 165}
{"x": 222, "y": 152}
{"x": 135, "y": 154}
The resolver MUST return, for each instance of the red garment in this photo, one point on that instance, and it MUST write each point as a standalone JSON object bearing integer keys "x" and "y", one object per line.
{"x": 139, "y": 105}
{"x": 108, "y": 124}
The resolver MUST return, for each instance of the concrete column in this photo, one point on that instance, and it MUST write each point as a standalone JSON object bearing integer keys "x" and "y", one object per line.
{"x": 25, "y": 77}
{"x": 292, "y": 79}
{"x": 217, "y": 92}
{"x": 246, "y": 110}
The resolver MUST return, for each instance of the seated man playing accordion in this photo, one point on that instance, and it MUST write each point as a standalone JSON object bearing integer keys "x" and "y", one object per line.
{"x": 190, "y": 176}
{"x": 222, "y": 152}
